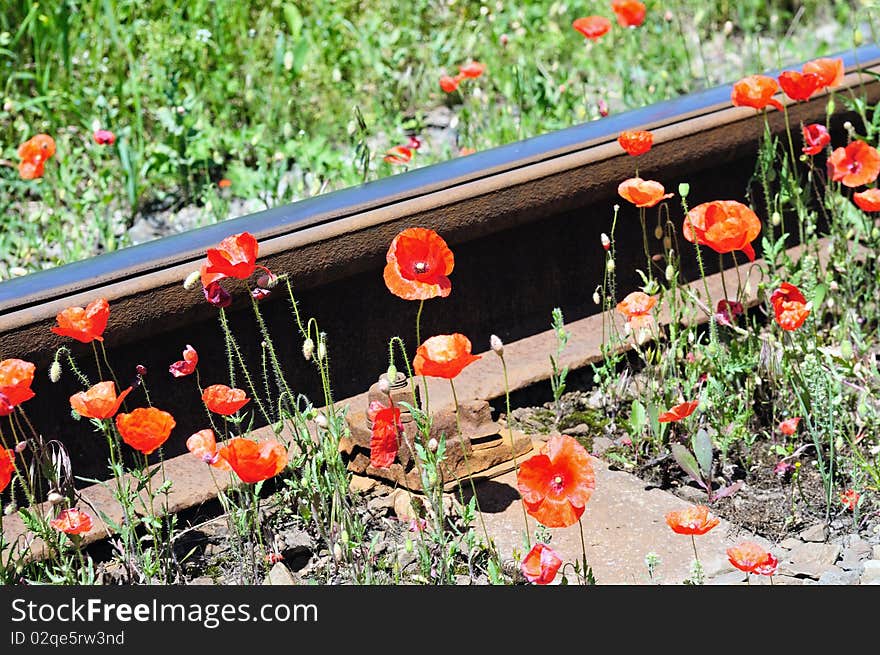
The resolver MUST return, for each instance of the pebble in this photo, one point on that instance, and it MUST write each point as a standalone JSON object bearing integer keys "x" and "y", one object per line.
{"x": 837, "y": 577}
{"x": 816, "y": 533}
{"x": 279, "y": 575}
{"x": 871, "y": 572}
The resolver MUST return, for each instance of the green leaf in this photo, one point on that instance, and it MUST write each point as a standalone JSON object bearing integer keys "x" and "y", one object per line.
{"x": 638, "y": 418}
{"x": 294, "y": 20}
{"x": 702, "y": 444}
{"x": 819, "y": 293}
{"x": 687, "y": 462}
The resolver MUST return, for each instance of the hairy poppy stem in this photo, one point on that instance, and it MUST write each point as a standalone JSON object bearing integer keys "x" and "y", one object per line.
{"x": 583, "y": 548}
{"x": 645, "y": 243}
{"x": 513, "y": 446}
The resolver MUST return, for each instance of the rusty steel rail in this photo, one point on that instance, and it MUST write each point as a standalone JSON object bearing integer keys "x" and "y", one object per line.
{"x": 523, "y": 221}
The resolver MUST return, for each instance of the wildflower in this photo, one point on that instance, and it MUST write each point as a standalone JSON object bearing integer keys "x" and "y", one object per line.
{"x": 385, "y": 427}
{"x": 496, "y": 345}
{"x": 678, "y": 412}
{"x": 727, "y": 311}
{"x": 414, "y": 142}
{"x": 7, "y": 466}
{"x": 449, "y": 83}
{"x": 816, "y": 137}
{"x": 829, "y": 71}
{"x": 642, "y": 193}
{"x": 850, "y": 499}
{"x": 443, "y": 356}
{"x": 104, "y": 137}
{"x": 398, "y": 155}
{"x": 636, "y": 307}
{"x": 790, "y": 306}
{"x": 33, "y": 154}
{"x": 99, "y": 401}
{"x": 694, "y": 520}
{"x": 84, "y": 325}
{"x": 187, "y": 365}
{"x": 217, "y": 295}
{"x": 755, "y": 91}
{"x": 789, "y": 426}
{"x": 260, "y": 294}
{"x": 723, "y": 225}
{"x": 592, "y": 27}
{"x": 203, "y": 445}
{"x": 630, "y": 13}
{"x": 602, "y": 106}
{"x": 224, "y": 183}
{"x": 636, "y": 142}
{"x": 224, "y": 400}
{"x": 752, "y": 558}
{"x": 418, "y": 262}
{"x": 556, "y": 484}
{"x": 145, "y": 428}
{"x": 783, "y": 469}
{"x": 16, "y": 377}
{"x": 235, "y": 256}
{"x": 540, "y": 564}
{"x": 854, "y": 165}
{"x": 868, "y": 200}
{"x": 799, "y": 86}
{"x": 254, "y": 462}
{"x": 464, "y": 152}
{"x": 72, "y": 521}
{"x": 472, "y": 70}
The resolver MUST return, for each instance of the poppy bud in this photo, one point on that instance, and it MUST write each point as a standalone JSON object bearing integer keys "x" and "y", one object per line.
{"x": 658, "y": 232}
{"x": 322, "y": 350}
{"x": 384, "y": 386}
{"x": 667, "y": 243}
{"x": 191, "y": 280}
{"x": 308, "y": 348}
{"x": 496, "y": 345}
{"x": 504, "y": 39}
{"x": 603, "y": 108}
{"x": 775, "y": 218}
{"x": 875, "y": 233}
{"x": 11, "y": 508}
{"x": 55, "y": 498}
{"x": 391, "y": 374}
{"x": 20, "y": 447}
{"x": 268, "y": 281}
{"x": 596, "y": 298}
{"x": 55, "y": 371}
{"x": 433, "y": 445}
{"x": 321, "y": 421}
{"x": 337, "y": 552}
{"x": 343, "y": 537}
{"x": 141, "y": 370}
{"x": 670, "y": 272}
{"x": 606, "y": 242}
{"x": 610, "y": 265}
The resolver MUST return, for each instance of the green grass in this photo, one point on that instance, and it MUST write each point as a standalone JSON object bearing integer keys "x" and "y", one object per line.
{"x": 267, "y": 93}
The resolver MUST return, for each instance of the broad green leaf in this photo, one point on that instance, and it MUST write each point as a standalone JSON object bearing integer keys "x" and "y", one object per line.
{"x": 294, "y": 20}
{"x": 687, "y": 462}
{"x": 702, "y": 444}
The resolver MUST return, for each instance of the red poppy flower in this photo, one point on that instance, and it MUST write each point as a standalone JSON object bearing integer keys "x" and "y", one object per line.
{"x": 592, "y": 27}
{"x": 855, "y": 165}
{"x": 84, "y": 325}
{"x": 816, "y": 137}
{"x": 384, "y": 430}
{"x": 72, "y": 521}
{"x": 414, "y": 143}
{"x": 678, "y": 412}
{"x": 789, "y": 426}
{"x": 203, "y": 445}
{"x": 636, "y": 307}
{"x": 472, "y": 70}
{"x": 541, "y": 564}
{"x": 104, "y": 137}
{"x": 217, "y": 295}
{"x": 642, "y": 193}
{"x": 187, "y": 365}
{"x": 868, "y": 200}
{"x": 630, "y": 13}
{"x": 7, "y": 466}
{"x": 398, "y": 155}
{"x": 100, "y": 401}
{"x": 693, "y": 520}
{"x": 727, "y": 311}
{"x": 145, "y": 428}
{"x": 799, "y": 86}
{"x": 16, "y": 377}
{"x": 449, "y": 83}
{"x": 33, "y": 154}
{"x": 235, "y": 256}
{"x": 850, "y": 499}
{"x": 254, "y": 462}
{"x": 557, "y": 484}
{"x": 443, "y": 356}
{"x": 749, "y": 557}
{"x": 221, "y": 399}
{"x": 224, "y": 183}
{"x": 636, "y": 142}
{"x": 723, "y": 225}
{"x": 790, "y": 306}
{"x": 829, "y": 71}
{"x": 755, "y": 91}
{"x": 464, "y": 152}
{"x": 418, "y": 262}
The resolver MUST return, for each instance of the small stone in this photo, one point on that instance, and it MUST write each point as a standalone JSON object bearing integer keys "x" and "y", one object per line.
{"x": 601, "y": 445}
{"x": 692, "y": 494}
{"x": 293, "y": 542}
{"x": 279, "y": 575}
{"x": 816, "y": 534}
{"x": 837, "y": 577}
{"x": 362, "y": 484}
{"x": 403, "y": 508}
{"x": 733, "y": 577}
{"x": 462, "y": 580}
{"x": 810, "y": 560}
{"x": 876, "y": 552}
{"x": 853, "y": 556}
{"x": 380, "y": 503}
{"x": 202, "y": 580}
{"x": 580, "y": 430}
{"x": 790, "y": 543}
{"x": 871, "y": 572}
